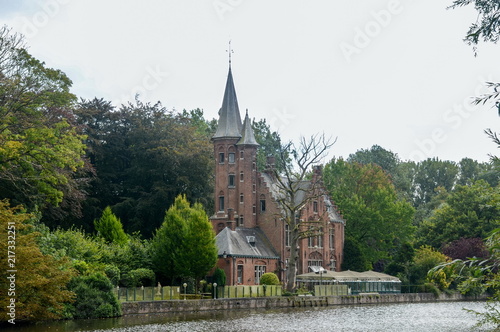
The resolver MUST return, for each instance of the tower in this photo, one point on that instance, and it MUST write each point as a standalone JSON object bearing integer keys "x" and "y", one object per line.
{"x": 235, "y": 155}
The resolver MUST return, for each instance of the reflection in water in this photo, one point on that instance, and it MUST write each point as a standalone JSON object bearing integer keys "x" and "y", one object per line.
{"x": 428, "y": 317}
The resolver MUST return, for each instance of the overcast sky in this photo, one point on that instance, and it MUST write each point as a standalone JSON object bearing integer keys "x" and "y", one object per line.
{"x": 392, "y": 73}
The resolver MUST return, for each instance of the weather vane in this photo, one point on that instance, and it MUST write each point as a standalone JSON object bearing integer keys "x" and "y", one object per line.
{"x": 230, "y": 50}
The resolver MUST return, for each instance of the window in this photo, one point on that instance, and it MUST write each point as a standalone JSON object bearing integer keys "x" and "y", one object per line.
{"x": 314, "y": 262}
{"x": 240, "y": 274}
{"x": 221, "y": 157}
{"x": 241, "y": 221}
{"x": 241, "y": 176}
{"x": 332, "y": 264}
{"x": 254, "y": 209}
{"x": 241, "y": 198}
{"x": 241, "y": 154}
{"x": 287, "y": 235}
{"x": 221, "y": 203}
{"x": 262, "y": 203}
{"x": 315, "y": 207}
{"x": 230, "y": 157}
{"x": 331, "y": 238}
{"x": 320, "y": 238}
{"x": 259, "y": 271}
{"x": 231, "y": 180}
{"x": 310, "y": 239}
{"x": 253, "y": 187}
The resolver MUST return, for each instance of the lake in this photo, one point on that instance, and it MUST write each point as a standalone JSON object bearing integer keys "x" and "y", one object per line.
{"x": 428, "y": 317}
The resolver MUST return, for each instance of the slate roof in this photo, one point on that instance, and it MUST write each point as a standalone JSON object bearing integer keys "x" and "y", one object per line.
{"x": 247, "y": 136}
{"x": 276, "y": 193}
{"x": 237, "y": 243}
{"x": 229, "y": 124}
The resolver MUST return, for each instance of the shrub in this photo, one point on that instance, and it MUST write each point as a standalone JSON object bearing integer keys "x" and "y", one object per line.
{"x": 269, "y": 278}
{"x": 94, "y": 297}
{"x": 219, "y": 277}
{"x": 113, "y": 273}
{"x": 139, "y": 277}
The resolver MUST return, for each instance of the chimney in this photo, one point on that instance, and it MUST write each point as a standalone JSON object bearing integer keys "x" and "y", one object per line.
{"x": 231, "y": 223}
{"x": 270, "y": 164}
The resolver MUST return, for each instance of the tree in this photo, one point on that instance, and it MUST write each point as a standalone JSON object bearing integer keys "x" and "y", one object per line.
{"x": 377, "y": 219}
{"x": 144, "y": 156}
{"x": 469, "y": 211}
{"x": 39, "y": 148}
{"x": 387, "y": 160}
{"x": 425, "y": 259}
{"x": 270, "y": 144}
{"x": 110, "y": 228}
{"x": 464, "y": 248}
{"x": 295, "y": 191}
{"x": 38, "y": 285}
{"x": 354, "y": 258}
{"x": 487, "y": 29}
{"x": 431, "y": 174}
{"x": 479, "y": 275}
{"x": 184, "y": 245}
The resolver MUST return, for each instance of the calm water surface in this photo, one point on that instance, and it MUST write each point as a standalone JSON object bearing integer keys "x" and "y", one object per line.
{"x": 426, "y": 317}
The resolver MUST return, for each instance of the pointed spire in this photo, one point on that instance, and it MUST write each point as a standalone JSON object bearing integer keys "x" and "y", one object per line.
{"x": 247, "y": 136}
{"x": 229, "y": 124}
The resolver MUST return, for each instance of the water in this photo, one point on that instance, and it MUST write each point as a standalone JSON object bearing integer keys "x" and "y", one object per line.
{"x": 428, "y": 317}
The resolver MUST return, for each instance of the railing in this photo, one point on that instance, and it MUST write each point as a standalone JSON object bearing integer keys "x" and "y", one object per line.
{"x": 148, "y": 293}
{"x": 176, "y": 293}
{"x": 249, "y": 291}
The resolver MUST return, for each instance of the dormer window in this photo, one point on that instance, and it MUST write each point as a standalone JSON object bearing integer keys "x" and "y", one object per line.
{"x": 251, "y": 240}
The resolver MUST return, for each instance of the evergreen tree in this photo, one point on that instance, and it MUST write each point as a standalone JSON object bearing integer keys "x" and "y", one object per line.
{"x": 184, "y": 245}
{"x": 110, "y": 228}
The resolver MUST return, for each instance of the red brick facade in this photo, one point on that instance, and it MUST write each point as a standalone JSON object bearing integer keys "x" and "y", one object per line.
{"x": 244, "y": 204}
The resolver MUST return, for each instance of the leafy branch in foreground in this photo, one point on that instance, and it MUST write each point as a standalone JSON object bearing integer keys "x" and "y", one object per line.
{"x": 479, "y": 276}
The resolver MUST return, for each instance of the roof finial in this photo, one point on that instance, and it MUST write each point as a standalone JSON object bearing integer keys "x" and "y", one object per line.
{"x": 230, "y": 51}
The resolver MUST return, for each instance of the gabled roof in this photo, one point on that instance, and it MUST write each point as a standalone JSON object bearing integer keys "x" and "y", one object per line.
{"x": 247, "y": 137}
{"x": 245, "y": 242}
{"x": 303, "y": 187}
{"x": 229, "y": 125}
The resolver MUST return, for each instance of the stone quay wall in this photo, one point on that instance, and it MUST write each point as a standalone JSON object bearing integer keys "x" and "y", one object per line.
{"x": 185, "y": 306}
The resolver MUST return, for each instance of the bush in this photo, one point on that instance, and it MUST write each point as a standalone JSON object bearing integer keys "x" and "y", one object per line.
{"x": 219, "y": 277}
{"x": 113, "y": 273}
{"x": 94, "y": 297}
{"x": 430, "y": 288}
{"x": 269, "y": 278}
{"x": 139, "y": 277}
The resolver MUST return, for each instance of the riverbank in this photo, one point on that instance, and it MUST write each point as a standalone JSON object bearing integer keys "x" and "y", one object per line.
{"x": 189, "y": 306}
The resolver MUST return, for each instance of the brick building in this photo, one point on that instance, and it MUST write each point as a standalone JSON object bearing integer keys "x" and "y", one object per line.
{"x": 251, "y": 237}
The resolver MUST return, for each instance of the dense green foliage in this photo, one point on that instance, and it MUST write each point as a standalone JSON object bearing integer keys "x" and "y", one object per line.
{"x": 94, "y": 297}
{"x": 110, "y": 228}
{"x": 39, "y": 284}
{"x": 365, "y": 195}
{"x": 468, "y": 212}
{"x": 269, "y": 278}
{"x": 40, "y": 149}
{"x": 219, "y": 277}
{"x": 71, "y": 163}
{"x": 354, "y": 257}
{"x": 184, "y": 245}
